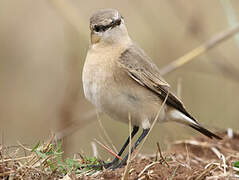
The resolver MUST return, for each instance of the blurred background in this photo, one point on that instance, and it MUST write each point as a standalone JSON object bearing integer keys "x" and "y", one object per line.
{"x": 43, "y": 45}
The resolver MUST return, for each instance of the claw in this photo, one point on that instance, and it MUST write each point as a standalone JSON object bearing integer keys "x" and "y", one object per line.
{"x": 109, "y": 165}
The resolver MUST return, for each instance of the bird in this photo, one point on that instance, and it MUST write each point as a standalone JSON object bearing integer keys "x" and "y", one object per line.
{"x": 121, "y": 80}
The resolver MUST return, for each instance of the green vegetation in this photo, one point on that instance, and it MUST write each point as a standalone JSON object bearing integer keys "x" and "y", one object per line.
{"x": 46, "y": 161}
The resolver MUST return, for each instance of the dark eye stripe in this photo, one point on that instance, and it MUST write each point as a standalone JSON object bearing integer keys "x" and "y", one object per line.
{"x": 102, "y": 28}
{"x": 99, "y": 28}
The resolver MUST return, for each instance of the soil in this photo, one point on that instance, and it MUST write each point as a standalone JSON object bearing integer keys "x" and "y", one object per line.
{"x": 197, "y": 158}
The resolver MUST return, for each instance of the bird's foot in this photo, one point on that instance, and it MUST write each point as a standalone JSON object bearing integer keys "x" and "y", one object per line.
{"x": 103, "y": 165}
{"x": 119, "y": 165}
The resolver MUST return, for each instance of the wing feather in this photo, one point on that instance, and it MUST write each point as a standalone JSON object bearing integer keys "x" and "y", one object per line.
{"x": 141, "y": 68}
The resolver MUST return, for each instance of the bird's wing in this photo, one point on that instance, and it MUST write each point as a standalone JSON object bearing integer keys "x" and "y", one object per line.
{"x": 141, "y": 68}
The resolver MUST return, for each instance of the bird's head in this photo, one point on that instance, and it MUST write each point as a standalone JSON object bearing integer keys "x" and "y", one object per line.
{"x": 107, "y": 26}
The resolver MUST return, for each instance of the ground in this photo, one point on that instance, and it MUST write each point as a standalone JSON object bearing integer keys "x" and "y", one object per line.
{"x": 197, "y": 158}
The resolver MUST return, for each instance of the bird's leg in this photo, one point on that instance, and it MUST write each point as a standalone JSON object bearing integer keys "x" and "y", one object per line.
{"x": 115, "y": 161}
{"x": 141, "y": 137}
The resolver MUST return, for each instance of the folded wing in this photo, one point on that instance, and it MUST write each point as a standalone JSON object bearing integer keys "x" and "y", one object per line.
{"x": 141, "y": 68}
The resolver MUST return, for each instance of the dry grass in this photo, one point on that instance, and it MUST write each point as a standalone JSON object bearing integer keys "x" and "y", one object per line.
{"x": 197, "y": 158}
{"x": 43, "y": 161}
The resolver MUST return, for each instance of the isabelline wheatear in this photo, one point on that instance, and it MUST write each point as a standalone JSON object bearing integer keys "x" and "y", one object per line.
{"x": 120, "y": 79}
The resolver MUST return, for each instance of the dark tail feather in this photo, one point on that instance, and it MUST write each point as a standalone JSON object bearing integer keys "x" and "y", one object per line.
{"x": 204, "y": 131}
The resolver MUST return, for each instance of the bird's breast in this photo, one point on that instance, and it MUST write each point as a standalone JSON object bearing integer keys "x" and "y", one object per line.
{"x": 99, "y": 74}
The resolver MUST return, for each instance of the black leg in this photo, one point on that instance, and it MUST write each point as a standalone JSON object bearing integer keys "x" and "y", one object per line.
{"x": 141, "y": 137}
{"x": 115, "y": 161}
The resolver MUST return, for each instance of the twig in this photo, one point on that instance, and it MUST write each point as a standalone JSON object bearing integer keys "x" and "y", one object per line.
{"x": 17, "y": 159}
{"x": 187, "y": 158}
{"x": 199, "y": 50}
{"x": 46, "y": 148}
{"x": 108, "y": 149}
{"x": 205, "y": 172}
{"x": 126, "y": 170}
{"x": 147, "y": 167}
{"x": 94, "y": 149}
{"x": 156, "y": 155}
{"x": 25, "y": 148}
{"x": 161, "y": 155}
{"x": 174, "y": 172}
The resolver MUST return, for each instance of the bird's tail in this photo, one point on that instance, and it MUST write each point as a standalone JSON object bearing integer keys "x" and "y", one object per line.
{"x": 204, "y": 131}
{"x": 181, "y": 118}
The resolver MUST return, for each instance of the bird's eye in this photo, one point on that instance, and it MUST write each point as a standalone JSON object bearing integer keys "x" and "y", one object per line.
{"x": 100, "y": 28}
{"x": 97, "y": 28}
